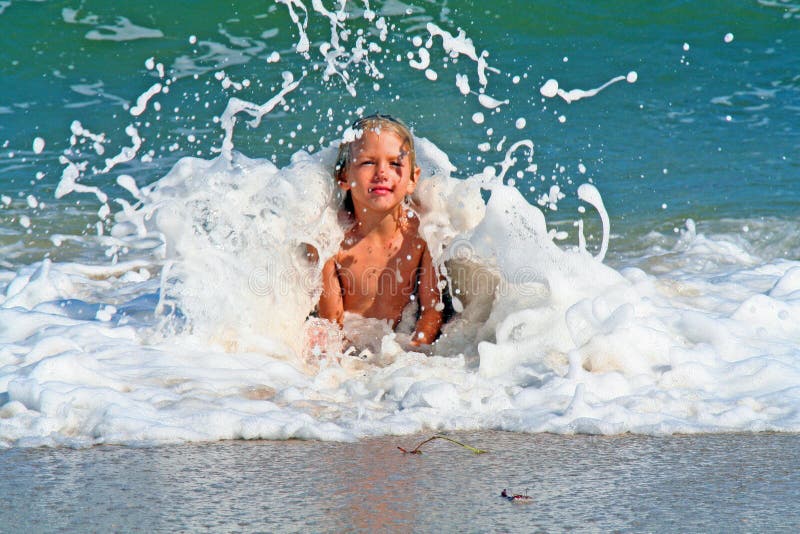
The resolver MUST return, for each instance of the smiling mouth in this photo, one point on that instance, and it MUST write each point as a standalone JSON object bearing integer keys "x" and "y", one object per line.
{"x": 380, "y": 190}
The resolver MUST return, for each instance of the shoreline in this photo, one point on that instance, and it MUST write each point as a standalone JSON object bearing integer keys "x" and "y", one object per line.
{"x": 706, "y": 482}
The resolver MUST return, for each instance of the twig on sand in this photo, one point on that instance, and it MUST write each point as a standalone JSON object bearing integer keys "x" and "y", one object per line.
{"x": 417, "y": 450}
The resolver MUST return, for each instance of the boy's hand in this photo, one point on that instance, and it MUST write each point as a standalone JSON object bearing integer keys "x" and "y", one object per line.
{"x": 418, "y": 344}
{"x": 322, "y": 338}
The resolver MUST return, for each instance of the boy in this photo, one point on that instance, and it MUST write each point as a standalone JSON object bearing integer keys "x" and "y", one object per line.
{"x": 383, "y": 263}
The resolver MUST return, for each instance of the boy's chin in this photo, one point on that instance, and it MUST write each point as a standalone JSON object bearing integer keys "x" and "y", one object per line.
{"x": 379, "y": 205}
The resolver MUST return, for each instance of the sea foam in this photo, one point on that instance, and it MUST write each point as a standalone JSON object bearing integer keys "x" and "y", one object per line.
{"x": 547, "y": 338}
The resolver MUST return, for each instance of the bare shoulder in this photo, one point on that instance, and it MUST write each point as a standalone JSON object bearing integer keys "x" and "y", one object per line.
{"x": 410, "y": 229}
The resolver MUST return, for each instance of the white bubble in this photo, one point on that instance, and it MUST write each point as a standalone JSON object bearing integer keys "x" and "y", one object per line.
{"x": 32, "y": 202}
{"x": 477, "y": 118}
{"x": 462, "y": 82}
{"x": 192, "y": 39}
{"x": 686, "y": 47}
{"x": 490, "y": 103}
{"x": 520, "y": 124}
{"x": 632, "y": 76}
{"x": 105, "y": 313}
{"x": 562, "y": 119}
{"x": 38, "y": 145}
{"x": 581, "y": 168}
{"x": 728, "y": 37}
{"x": 549, "y": 89}
{"x": 431, "y": 75}
{"x": 664, "y": 206}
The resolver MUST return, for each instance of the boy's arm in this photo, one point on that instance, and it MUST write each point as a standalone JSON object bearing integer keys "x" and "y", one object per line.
{"x": 331, "y": 306}
{"x": 430, "y": 317}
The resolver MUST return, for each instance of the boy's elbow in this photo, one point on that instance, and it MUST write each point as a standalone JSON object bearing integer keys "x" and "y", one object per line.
{"x": 429, "y": 325}
{"x": 332, "y": 313}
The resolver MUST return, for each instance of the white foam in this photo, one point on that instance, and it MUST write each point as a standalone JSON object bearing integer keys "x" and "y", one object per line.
{"x": 236, "y": 106}
{"x": 589, "y": 193}
{"x": 490, "y": 103}
{"x": 123, "y": 30}
{"x": 462, "y": 82}
{"x": 38, "y": 145}
{"x": 548, "y": 338}
{"x": 551, "y": 88}
{"x": 424, "y": 60}
{"x": 144, "y": 98}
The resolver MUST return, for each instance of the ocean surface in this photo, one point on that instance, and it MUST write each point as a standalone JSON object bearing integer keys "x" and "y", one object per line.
{"x": 611, "y": 189}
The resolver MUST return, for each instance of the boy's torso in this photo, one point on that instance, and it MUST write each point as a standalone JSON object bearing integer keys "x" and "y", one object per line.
{"x": 379, "y": 276}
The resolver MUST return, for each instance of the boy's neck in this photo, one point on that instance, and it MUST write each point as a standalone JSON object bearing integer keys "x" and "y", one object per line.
{"x": 378, "y": 224}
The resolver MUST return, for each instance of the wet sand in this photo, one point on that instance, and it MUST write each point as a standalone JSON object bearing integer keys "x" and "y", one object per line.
{"x": 701, "y": 483}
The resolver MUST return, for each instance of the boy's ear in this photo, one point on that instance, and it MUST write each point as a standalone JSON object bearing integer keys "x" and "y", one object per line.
{"x": 343, "y": 182}
{"x": 413, "y": 179}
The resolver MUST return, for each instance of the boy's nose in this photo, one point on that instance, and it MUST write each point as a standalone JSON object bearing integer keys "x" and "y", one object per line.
{"x": 381, "y": 170}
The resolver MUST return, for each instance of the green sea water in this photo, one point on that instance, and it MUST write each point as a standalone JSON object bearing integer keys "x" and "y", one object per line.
{"x": 710, "y": 130}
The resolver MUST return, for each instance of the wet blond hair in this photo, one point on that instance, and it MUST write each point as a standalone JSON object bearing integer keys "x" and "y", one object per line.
{"x": 376, "y": 122}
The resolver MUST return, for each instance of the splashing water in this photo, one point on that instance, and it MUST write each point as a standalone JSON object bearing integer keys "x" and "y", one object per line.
{"x": 190, "y": 324}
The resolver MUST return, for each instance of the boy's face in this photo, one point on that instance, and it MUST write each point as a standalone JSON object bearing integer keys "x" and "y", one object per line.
{"x": 379, "y": 173}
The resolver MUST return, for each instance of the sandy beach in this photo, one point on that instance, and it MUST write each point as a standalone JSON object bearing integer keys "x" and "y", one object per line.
{"x": 703, "y": 483}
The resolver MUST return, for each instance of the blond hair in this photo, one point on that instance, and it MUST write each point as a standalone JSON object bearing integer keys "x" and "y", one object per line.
{"x": 376, "y": 122}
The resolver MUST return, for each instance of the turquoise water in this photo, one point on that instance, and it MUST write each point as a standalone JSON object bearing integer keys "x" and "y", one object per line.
{"x": 711, "y": 132}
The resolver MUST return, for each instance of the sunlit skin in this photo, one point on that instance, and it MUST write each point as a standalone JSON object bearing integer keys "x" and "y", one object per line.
{"x": 383, "y": 262}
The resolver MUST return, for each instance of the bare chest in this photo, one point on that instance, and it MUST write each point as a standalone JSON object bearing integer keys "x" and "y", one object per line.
{"x": 378, "y": 279}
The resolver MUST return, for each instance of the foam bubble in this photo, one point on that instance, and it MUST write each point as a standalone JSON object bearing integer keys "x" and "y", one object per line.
{"x": 462, "y": 82}
{"x": 549, "y": 89}
{"x": 489, "y": 102}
